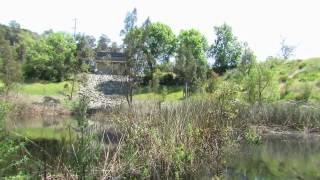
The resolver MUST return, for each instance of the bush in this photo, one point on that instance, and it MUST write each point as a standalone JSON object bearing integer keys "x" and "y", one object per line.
{"x": 168, "y": 79}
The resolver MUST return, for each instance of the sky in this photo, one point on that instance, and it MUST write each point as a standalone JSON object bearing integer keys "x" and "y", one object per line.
{"x": 261, "y": 23}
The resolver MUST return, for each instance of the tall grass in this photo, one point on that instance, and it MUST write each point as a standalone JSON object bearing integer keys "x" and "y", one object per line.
{"x": 286, "y": 114}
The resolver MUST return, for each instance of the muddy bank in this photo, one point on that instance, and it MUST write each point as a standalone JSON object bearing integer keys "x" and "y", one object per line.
{"x": 266, "y": 131}
{"x": 31, "y": 110}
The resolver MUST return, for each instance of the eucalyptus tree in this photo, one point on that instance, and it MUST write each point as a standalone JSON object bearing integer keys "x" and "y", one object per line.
{"x": 191, "y": 63}
{"x": 226, "y": 49}
{"x": 103, "y": 43}
{"x": 159, "y": 44}
{"x": 130, "y": 22}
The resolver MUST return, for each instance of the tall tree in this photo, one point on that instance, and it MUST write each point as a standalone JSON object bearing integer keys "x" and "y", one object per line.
{"x": 147, "y": 22}
{"x": 226, "y": 49}
{"x": 130, "y": 22}
{"x": 103, "y": 43}
{"x": 10, "y": 69}
{"x": 186, "y": 66}
{"x": 85, "y": 47}
{"x": 159, "y": 44}
{"x": 191, "y": 62}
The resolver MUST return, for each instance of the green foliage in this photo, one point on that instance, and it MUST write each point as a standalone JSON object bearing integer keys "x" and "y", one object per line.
{"x": 11, "y": 149}
{"x": 226, "y": 49}
{"x": 103, "y": 43}
{"x": 160, "y": 42}
{"x": 213, "y": 81}
{"x": 50, "y": 58}
{"x": 248, "y": 60}
{"x": 85, "y": 47}
{"x": 155, "y": 82}
{"x": 130, "y": 22}
{"x": 259, "y": 85}
{"x": 191, "y": 63}
{"x": 252, "y": 137}
{"x": 174, "y": 93}
{"x": 85, "y": 151}
{"x": 10, "y": 70}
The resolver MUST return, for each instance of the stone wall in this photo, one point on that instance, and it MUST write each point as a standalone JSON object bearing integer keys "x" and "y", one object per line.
{"x": 103, "y": 91}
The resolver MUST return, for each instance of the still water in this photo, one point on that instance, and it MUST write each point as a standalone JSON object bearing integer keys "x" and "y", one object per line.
{"x": 278, "y": 157}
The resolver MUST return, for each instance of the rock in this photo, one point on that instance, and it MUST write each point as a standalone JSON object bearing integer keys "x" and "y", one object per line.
{"x": 103, "y": 91}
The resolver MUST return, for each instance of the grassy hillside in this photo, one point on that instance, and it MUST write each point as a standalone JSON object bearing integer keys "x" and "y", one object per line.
{"x": 298, "y": 78}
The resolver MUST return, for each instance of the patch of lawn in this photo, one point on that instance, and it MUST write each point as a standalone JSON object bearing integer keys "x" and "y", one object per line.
{"x": 174, "y": 93}
{"x": 46, "y": 89}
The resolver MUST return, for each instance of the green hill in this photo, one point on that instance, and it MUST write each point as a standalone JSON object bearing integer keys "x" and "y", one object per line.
{"x": 298, "y": 78}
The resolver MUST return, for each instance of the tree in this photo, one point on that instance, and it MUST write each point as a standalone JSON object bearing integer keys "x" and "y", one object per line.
{"x": 12, "y": 35}
{"x": 286, "y": 50}
{"x": 147, "y": 22}
{"x": 10, "y": 69}
{"x": 248, "y": 59}
{"x": 85, "y": 52}
{"x": 191, "y": 63}
{"x": 186, "y": 65}
{"x": 130, "y": 22}
{"x": 159, "y": 44}
{"x": 226, "y": 49}
{"x": 103, "y": 43}
{"x": 85, "y": 47}
{"x": 258, "y": 84}
{"x": 50, "y": 57}
{"x": 135, "y": 60}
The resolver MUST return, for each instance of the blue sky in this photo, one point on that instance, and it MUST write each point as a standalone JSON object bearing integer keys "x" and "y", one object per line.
{"x": 261, "y": 23}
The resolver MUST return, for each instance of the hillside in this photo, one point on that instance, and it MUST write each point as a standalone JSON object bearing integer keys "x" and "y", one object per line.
{"x": 298, "y": 78}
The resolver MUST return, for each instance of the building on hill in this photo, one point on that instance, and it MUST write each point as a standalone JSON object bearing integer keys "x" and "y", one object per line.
{"x": 109, "y": 62}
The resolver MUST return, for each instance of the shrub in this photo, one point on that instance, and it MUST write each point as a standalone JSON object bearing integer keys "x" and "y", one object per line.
{"x": 283, "y": 78}
{"x": 168, "y": 79}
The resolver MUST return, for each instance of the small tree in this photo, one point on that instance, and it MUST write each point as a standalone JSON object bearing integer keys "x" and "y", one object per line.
{"x": 257, "y": 82}
{"x": 248, "y": 60}
{"x": 135, "y": 61}
{"x": 186, "y": 67}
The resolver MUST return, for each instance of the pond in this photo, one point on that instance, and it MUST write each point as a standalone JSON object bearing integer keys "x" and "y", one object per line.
{"x": 48, "y": 127}
{"x": 278, "y": 157}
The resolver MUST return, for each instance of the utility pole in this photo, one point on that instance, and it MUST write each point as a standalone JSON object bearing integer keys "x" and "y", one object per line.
{"x": 75, "y": 28}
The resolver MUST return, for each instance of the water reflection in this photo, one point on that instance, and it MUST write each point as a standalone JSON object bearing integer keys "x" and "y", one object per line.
{"x": 279, "y": 157}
